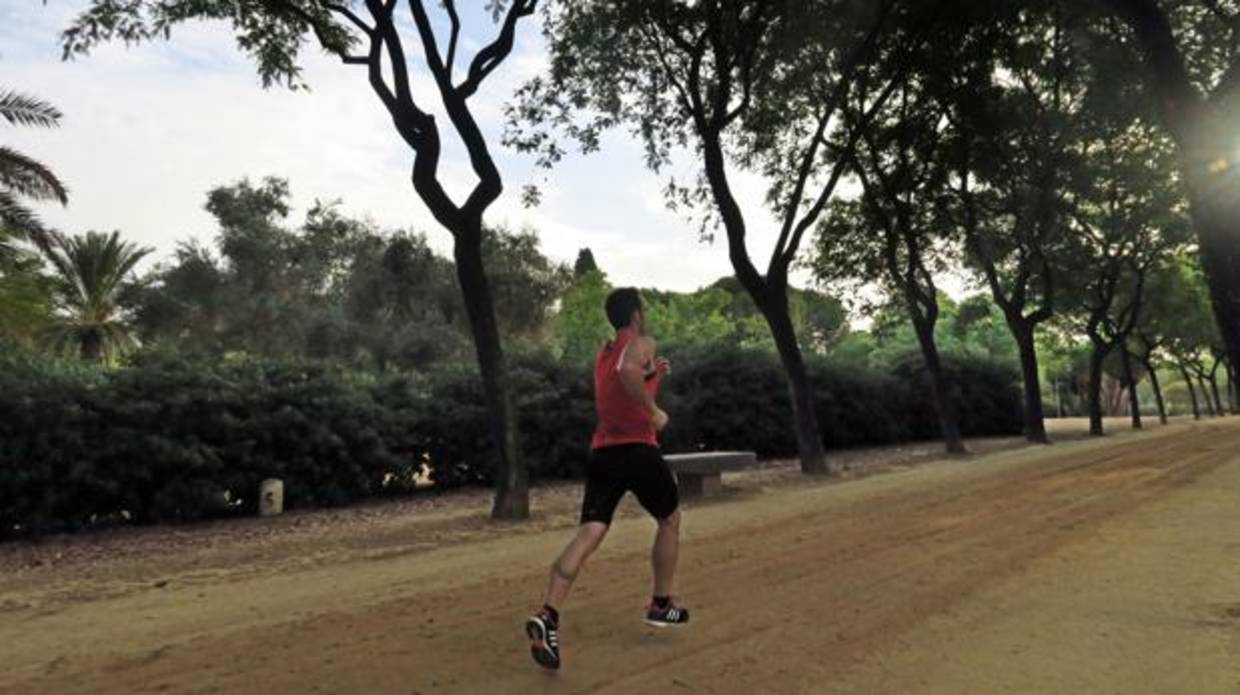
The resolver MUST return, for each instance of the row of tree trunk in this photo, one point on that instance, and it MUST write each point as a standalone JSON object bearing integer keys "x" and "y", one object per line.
{"x": 1206, "y": 385}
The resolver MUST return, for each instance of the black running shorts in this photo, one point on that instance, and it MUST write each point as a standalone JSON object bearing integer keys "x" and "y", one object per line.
{"x": 639, "y": 468}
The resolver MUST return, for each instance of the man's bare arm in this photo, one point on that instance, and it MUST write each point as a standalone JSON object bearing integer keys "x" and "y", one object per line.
{"x": 633, "y": 373}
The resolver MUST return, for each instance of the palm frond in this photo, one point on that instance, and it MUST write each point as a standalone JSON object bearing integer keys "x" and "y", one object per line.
{"x": 17, "y": 220}
{"x": 16, "y": 257}
{"x": 9, "y": 252}
{"x": 30, "y": 178}
{"x": 19, "y": 109}
{"x": 60, "y": 253}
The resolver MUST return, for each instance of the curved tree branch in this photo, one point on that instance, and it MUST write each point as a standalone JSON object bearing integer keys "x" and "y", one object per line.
{"x": 493, "y": 54}
{"x": 455, "y": 34}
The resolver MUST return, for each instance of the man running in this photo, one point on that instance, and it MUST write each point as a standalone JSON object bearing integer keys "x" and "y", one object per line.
{"x": 624, "y": 457}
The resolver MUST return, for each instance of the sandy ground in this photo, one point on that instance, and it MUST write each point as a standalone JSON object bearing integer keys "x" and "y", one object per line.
{"x": 1090, "y": 566}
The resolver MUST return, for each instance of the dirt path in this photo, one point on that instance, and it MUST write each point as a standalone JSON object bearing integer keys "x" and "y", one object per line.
{"x": 1090, "y": 566}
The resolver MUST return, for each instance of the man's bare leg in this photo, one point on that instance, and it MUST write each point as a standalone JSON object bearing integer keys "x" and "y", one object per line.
{"x": 565, "y": 568}
{"x": 664, "y": 554}
{"x": 543, "y": 627}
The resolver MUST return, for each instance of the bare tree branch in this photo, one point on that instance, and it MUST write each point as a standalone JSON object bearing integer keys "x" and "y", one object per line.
{"x": 750, "y": 49}
{"x": 406, "y": 117}
{"x": 385, "y": 29}
{"x": 450, "y": 6}
{"x": 375, "y": 61}
{"x": 430, "y": 46}
{"x": 661, "y": 51}
{"x": 871, "y": 193}
{"x": 352, "y": 17}
{"x": 828, "y": 189}
{"x": 832, "y": 104}
{"x": 493, "y": 54}
{"x": 804, "y": 170}
{"x": 697, "y": 51}
{"x": 723, "y": 54}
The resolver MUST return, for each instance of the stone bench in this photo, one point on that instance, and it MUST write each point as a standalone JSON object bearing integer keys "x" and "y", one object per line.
{"x": 701, "y": 474}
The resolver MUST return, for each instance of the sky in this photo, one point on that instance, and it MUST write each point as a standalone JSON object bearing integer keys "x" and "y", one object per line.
{"x": 149, "y": 129}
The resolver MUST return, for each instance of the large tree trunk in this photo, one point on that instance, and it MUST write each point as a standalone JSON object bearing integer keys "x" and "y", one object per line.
{"x": 809, "y": 438}
{"x": 1134, "y": 403}
{"x": 1206, "y": 142}
{"x": 1216, "y": 216}
{"x": 512, "y": 499}
{"x": 1095, "y": 391}
{"x": 1188, "y": 381}
{"x": 1204, "y": 134}
{"x": 770, "y": 294}
{"x": 949, "y": 423}
{"x": 1158, "y": 397}
{"x": 1035, "y": 424}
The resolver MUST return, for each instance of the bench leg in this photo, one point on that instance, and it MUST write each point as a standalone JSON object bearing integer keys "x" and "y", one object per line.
{"x": 699, "y": 485}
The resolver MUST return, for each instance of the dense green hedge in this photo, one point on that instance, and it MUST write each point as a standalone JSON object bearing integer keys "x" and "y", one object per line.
{"x": 168, "y": 439}
{"x": 556, "y": 412}
{"x": 734, "y": 399}
{"x": 171, "y": 438}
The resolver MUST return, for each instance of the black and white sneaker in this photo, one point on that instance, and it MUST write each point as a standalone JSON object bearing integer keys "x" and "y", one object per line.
{"x": 544, "y": 640}
{"x": 670, "y": 615}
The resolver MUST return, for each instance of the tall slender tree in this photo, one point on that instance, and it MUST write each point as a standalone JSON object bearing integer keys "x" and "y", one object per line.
{"x": 1164, "y": 307}
{"x": 1187, "y": 323}
{"x": 1128, "y": 214}
{"x": 369, "y": 34}
{"x": 1147, "y": 355}
{"x": 1217, "y": 360}
{"x": 1192, "y": 391}
{"x": 1012, "y": 96}
{"x": 752, "y": 84}
{"x": 895, "y": 231}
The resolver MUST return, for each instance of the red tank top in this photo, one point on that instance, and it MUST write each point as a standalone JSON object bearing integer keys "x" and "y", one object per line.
{"x": 621, "y": 419}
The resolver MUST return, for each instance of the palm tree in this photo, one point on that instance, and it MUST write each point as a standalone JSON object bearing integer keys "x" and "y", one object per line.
{"x": 22, "y": 177}
{"x": 90, "y": 274}
{"x": 24, "y": 292}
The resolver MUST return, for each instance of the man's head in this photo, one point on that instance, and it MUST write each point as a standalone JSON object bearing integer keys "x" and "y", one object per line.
{"x": 624, "y": 309}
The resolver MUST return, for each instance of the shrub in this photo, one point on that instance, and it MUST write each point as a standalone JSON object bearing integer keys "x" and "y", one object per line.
{"x": 179, "y": 438}
{"x": 174, "y": 439}
{"x": 556, "y": 410}
{"x": 728, "y": 398}
{"x": 864, "y": 407}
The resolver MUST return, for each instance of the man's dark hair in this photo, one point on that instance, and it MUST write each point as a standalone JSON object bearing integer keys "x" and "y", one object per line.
{"x": 621, "y": 304}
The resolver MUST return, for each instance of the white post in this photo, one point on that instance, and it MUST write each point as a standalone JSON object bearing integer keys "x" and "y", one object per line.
{"x": 271, "y": 497}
